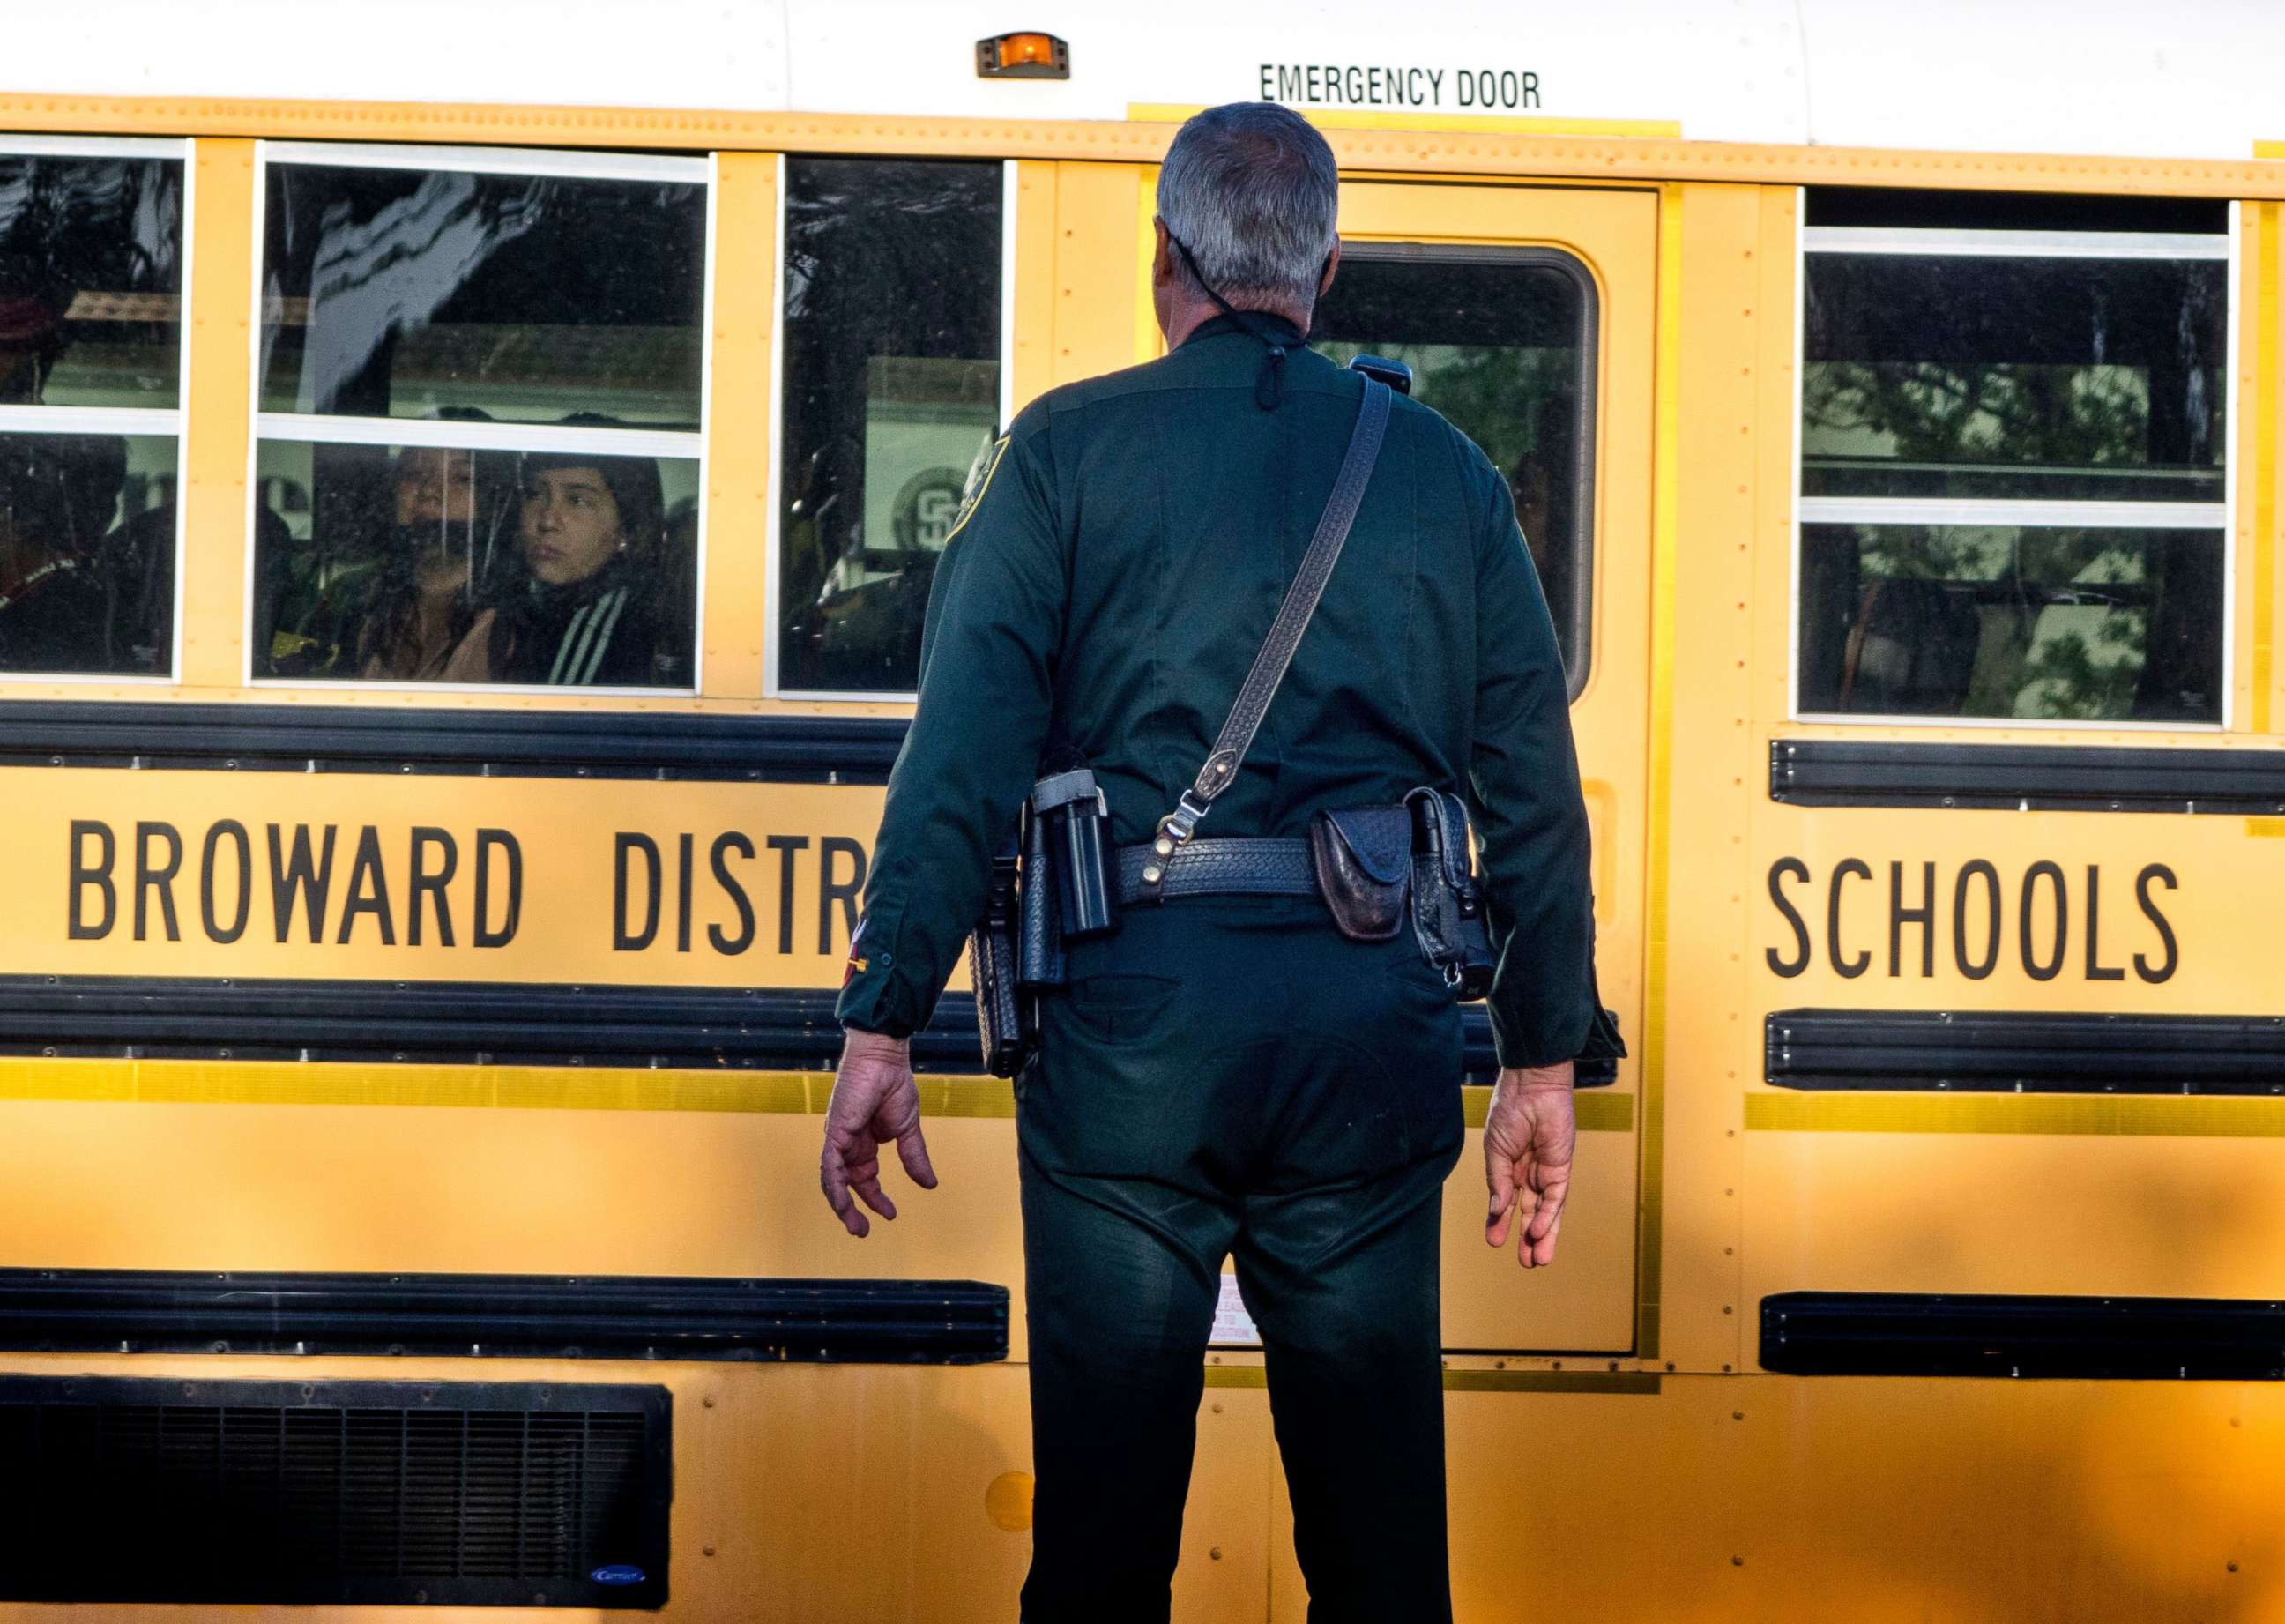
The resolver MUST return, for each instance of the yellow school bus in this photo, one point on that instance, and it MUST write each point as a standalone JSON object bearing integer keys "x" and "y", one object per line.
{"x": 426, "y": 898}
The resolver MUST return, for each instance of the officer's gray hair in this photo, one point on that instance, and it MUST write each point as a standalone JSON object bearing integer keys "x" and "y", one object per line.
{"x": 1250, "y": 188}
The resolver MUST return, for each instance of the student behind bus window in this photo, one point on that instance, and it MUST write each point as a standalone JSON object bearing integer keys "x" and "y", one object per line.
{"x": 58, "y": 494}
{"x": 447, "y": 508}
{"x": 583, "y": 609}
{"x": 382, "y": 588}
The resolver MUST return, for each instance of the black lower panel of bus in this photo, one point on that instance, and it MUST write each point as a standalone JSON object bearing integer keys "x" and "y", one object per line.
{"x": 362, "y": 1494}
{"x": 2013, "y": 1051}
{"x": 499, "y": 1317}
{"x": 456, "y": 1023}
{"x": 1887, "y": 1333}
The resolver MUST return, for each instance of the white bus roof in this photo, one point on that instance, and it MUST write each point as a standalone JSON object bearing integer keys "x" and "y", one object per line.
{"x": 2197, "y": 79}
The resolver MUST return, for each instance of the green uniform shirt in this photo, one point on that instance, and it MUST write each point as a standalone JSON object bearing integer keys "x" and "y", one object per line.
{"x": 1115, "y": 571}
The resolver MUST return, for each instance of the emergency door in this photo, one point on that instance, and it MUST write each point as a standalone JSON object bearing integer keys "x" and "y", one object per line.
{"x": 1527, "y": 314}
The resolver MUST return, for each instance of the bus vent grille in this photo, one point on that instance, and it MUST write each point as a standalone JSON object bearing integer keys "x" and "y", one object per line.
{"x": 359, "y": 1494}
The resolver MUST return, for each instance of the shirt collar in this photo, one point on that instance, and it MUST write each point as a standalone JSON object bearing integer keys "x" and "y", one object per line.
{"x": 1275, "y": 327}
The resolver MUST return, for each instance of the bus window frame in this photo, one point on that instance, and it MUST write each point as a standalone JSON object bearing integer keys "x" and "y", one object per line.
{"x": 1971, "y": 243}
{"x": 1586, "y": 510}
{"x": 773, "y": 598}
{"x": 152, "y": 421}
{"x": 405, "y": 433}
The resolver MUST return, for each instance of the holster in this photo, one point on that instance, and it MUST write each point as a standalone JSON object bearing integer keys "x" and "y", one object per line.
{"x": 1000, "y": 1016}
{"x": 1049, "y": 884}
{"x": 1448, "y": 910}
{"x": 1377, "y": 866}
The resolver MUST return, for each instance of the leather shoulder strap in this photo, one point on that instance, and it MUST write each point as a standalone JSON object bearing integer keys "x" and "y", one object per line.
{"x": 1294, "y": 615}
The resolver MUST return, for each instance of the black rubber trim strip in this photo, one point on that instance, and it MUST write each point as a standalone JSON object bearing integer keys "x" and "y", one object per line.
{"x": 463, "y": 1023}
{"x": 2113, "y": 1338}
{"x": 2015, "y": 1052}
{"x": 450, "y": 1022}
{"x": 2034, "y": 777}
{"x": 649, "y": 744}
{"x": 503, "y": 1317}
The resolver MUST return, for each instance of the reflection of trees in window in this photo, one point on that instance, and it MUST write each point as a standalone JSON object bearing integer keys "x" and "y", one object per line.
{"x": 2043, "y": 417}
{"x": 1926, "y": 375}
{"x": 1984, "y": 379}
{"x": 1494, "y": 345}
{"x": 2075, "y": 623}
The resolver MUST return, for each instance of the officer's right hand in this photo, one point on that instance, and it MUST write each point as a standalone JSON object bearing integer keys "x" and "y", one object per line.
{"x": 875, "y": 1100}
{"x": 1528, "y": 1131}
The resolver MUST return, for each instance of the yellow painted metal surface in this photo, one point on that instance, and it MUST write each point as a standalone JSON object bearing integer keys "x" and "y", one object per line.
{"x": 1413, "y": 148}
{"x": 1099, "y": 216}
{"x": 2266, "y": 676}
{"x": 737, "y": 593}
{"x": 1608, "y": 1411}
{"x": 852, "y": 1493}
{"x": 301, "y": 875}
{"x": 1592, "y": 1302}
{"x": 216, "y": 422}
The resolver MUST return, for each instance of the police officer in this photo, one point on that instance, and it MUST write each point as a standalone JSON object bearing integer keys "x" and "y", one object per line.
{"x": 1228, "y": 1074}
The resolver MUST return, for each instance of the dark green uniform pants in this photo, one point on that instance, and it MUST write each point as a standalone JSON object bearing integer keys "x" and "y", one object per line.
{"x": 1229, "y": 1076}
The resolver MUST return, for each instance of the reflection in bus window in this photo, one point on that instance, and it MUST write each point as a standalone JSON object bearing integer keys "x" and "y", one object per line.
{"x": 2077, "y": 625}
{"x": 405, "y": 293}
{"x": 891, "y": 336}
{"x": 562, "y": 567}
{"x": 87, "y": 553}
{"x": 1497, "y": 342}
{"x": 90, "y": 345}
{"x": 537, "y": 524}
{"x": 90, "y": 281}
{"x": 2014, "y": 460}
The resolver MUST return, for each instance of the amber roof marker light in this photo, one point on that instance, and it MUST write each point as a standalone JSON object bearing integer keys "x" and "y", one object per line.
{"x": 1023, "y": 56}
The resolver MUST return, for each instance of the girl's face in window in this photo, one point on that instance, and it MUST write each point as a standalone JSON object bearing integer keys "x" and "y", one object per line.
{"x": 434, "y": 487}
{"x": 570, "y": 525}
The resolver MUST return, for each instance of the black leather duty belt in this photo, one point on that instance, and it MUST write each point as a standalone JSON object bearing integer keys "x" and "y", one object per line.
{"x": 1254, "y": 867}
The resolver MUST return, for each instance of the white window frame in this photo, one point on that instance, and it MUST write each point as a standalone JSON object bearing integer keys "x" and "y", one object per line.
{"x": 450, "y": 434}
{"x": 1969, "y": 244}
{"x": 153, "y": 421}
{"x": 774, "y": 594}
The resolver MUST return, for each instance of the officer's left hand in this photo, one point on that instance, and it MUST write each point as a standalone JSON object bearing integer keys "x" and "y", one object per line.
{"x": 875, "y": 1100}
{"x": 1529, "y": 1132}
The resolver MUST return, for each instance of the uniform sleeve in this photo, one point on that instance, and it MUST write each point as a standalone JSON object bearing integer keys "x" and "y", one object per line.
{"x": 988, "y": 646}
{"x": 1530, "y": 818}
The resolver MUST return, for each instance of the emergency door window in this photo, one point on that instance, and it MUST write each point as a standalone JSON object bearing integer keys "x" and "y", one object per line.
{"x": 91, "y": 237}
{"x": 2013, "y": 457}
{"x": 479, "y": 446}
{"x": 892, "y": 383}
{"x": 1499, "y": 341}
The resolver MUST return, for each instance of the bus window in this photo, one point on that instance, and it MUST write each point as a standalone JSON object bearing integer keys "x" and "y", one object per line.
{"x": 90, "y": 356}
{"x": 478, "y": 448}
{"x": 891, "y": 340}
{"x": 1497, "y": 341}
{"x": 2013, "y": 458}
{"x": 426, "y": 563}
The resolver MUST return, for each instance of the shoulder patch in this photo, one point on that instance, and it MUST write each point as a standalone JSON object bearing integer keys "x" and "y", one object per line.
{"x": 979, "y": 480}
